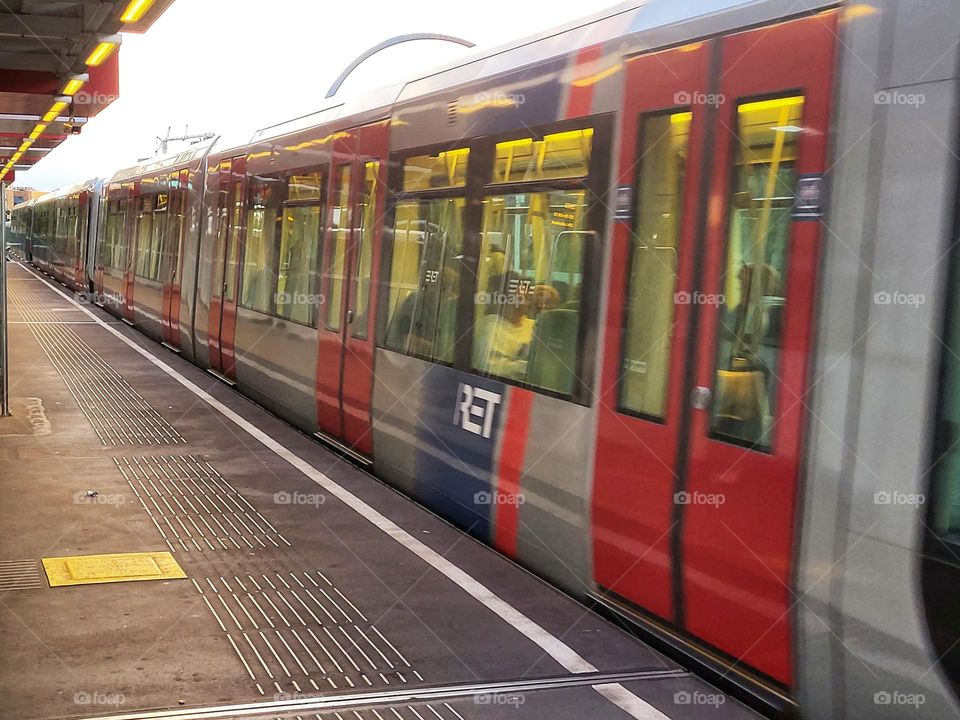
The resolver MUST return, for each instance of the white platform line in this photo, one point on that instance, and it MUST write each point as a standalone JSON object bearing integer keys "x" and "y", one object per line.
{"x": 553, "y": 646}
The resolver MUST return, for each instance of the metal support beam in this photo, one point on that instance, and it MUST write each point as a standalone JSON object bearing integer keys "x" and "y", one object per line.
{"x": 387, "y": 44}
{"x": 4, "y": 355}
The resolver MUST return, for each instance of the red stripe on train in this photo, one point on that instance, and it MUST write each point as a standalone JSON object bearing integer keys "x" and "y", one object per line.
{"x": 581, "y": 95}
{"x": 509, "y": 471}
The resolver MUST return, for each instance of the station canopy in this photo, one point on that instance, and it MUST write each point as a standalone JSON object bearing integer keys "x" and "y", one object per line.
{"x": 59, "y": 67}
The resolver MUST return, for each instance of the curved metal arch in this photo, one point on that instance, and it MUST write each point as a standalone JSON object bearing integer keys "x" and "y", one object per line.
{"x": 387, "y": 44}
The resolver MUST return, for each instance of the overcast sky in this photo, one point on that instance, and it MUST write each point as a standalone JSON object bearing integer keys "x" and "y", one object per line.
{"x": 233, "y": 66}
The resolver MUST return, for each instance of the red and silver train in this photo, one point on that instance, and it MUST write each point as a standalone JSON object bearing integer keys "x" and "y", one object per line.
{"x": 660, "y": 303}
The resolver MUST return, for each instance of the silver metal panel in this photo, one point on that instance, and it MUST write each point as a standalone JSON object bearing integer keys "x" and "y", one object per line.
{"x": 148, "y": 307}
{"x": 925, "y": 47}
{"x": 396, "y": 410}
{"x": 277, "y": 365}
{"x": 554, "y": 533}
{"x": 914, "y": 217}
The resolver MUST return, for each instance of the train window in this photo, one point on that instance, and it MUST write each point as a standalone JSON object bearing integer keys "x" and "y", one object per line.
{"x": 527, "y": 316}
{"x": 260, "y": 247}
{"x": 156, "y": 244}
{"x": 558, "y": 155}
{"x": 425, "y": 277}
{"x": 339, "y": 233}
{"x": 945, "y": 512}
{"x": 299, "y": 243}
{"x": 428, "y": 172}
{"x": 368, "y": 223}
{"x": 758, "y": 234}
{"x": 144, "y": 236}
{"x": 233, "y": 246}
{"x": 650, "y": 305}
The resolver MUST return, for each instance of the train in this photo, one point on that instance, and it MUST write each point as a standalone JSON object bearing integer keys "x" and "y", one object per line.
{"x": 661, "y": 304}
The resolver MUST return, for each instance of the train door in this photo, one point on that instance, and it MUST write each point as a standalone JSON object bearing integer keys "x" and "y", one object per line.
{"x": 226, "y": 267}
{"x": 345, "y": 369}
{"x": 172, "y": 254}
{"x": 130, "y": 229}
{"x": 706, "y": 362}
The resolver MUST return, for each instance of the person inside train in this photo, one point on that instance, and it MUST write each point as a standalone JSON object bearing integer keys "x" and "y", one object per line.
{"x": 505, "y": 335}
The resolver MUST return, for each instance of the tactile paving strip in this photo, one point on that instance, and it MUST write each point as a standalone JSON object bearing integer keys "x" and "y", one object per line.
{"x": 194, "y": 507}
{"x": 115, "y": 567}
{"x": 117, "y": 412}
{"x": 19, "y": 575}
{"x": 296, "y": 632}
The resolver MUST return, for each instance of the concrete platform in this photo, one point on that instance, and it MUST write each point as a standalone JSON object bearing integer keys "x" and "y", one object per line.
{"x": 313, "y": 590}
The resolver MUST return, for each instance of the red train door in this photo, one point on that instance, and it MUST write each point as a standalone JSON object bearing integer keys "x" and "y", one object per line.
{"x": 706, "y": 367}
{"x": 226, "y": 267}
{"x": 173, "y": 258}
{"x": 345, "y": 367}
{"x": 131, "y": 228}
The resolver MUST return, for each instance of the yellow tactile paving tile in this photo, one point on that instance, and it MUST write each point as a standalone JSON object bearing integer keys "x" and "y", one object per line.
{"x": 116, "y": 567}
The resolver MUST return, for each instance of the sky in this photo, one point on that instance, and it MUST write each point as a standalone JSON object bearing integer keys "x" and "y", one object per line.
{"x": 233, "y": 66}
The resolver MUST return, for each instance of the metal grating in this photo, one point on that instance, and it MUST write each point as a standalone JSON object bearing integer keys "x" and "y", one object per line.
{"x": 296, "y": 633}
{"x": 19, "y": 575}
{"x": 117, "y": 412}
{"x": 194, "y": 507}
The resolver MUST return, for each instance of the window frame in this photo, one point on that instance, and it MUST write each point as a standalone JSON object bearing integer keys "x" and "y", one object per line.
{"x": 323, "y": 170}
{"x": 480, "y": 185}
{"x": 631, "y": 250}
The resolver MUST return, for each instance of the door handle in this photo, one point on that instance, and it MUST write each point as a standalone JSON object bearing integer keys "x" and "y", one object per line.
{"x": 700, "y": 397}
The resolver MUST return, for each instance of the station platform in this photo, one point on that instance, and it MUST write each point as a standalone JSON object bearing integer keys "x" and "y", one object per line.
{"x": 308, "y": 589}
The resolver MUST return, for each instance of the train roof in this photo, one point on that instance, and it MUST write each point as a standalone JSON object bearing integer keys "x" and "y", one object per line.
{"x": 92, "y": 184}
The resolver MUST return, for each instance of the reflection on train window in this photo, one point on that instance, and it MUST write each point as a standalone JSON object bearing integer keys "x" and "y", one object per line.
{"x": 664, "y": 141}
{"x": 259, "y": 258}
{"x": 425, "y": 278}
{"x": 299, "y": 242}
{"x": 559, "y": 155}
{"x": 429, "y": 172}
{"x": 113, "y": 240}
{"x": 339, "y": 234}
{"x": 368, "y": 223}
{"x": 758, "y": 235}
{"x": 156, "y": 243}
{"x": 233, "y": 247}
{"x": 529, "y": 284}
{"x": 144, "y": 235}
{"x": 171, "y": 243}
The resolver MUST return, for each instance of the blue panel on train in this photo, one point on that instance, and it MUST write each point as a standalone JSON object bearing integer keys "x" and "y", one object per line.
{"x": 520, "y": 98}
{"x": 460, "y": 420}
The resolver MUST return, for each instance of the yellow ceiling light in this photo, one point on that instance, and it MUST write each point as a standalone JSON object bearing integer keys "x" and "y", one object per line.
{"x": 774, "y": 104}
{"x": 103, "y": 50}
{"x": 38, "y": 131}
{"x": 135, "y": 10}
{"x": 26, "y": 144}
{"x": 59, "y": 105}
{"x": 74, "y": 83}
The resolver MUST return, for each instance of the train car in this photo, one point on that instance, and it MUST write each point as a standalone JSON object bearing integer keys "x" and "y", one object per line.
{"x": 61, "y": 231}
{"x": 145, "y": 267}
{"x": 657, "y": 303}
{"x": 19, "y": 227}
